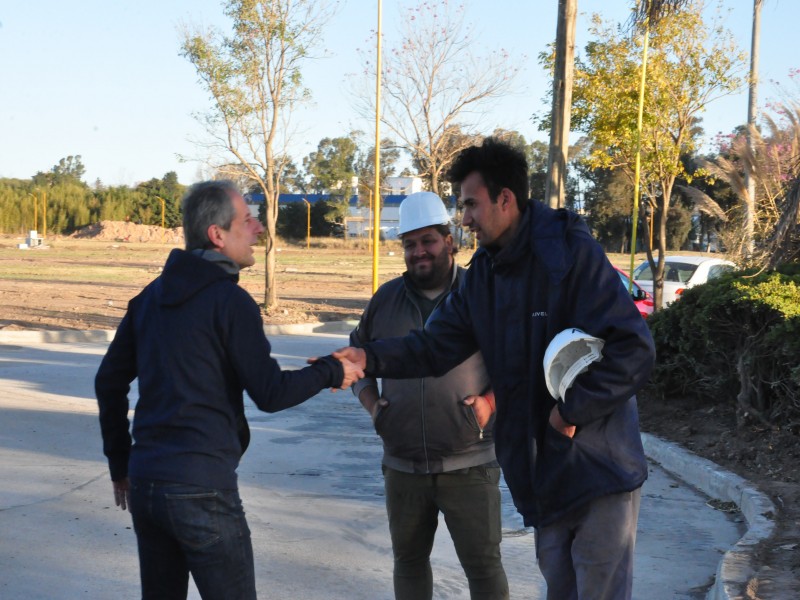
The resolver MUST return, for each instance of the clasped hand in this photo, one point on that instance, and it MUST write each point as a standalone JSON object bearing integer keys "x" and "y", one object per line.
{"x": 354, "y": 361}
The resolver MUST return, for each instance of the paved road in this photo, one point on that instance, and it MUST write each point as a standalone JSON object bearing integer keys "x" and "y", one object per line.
{"x": 311, "y": 486}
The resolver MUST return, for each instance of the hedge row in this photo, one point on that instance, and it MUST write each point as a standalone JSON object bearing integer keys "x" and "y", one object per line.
{"x": 734, "y": 339}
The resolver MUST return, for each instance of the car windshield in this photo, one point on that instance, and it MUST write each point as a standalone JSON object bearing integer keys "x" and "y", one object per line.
{"x": 625, "y": 281}
{"x": 673, "y": 271}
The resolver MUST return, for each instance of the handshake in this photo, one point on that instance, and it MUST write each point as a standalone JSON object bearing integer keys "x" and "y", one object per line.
{"x": 354, "y": 361}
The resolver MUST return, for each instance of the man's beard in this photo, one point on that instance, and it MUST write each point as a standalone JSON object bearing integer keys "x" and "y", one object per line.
{"x": 436, "y": 277}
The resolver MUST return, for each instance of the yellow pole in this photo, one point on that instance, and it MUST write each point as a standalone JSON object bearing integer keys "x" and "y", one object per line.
{"x": 376, "y": 227}
{"x": 638, "y": 163}
{"x": 163, "y": 204}
{"x": 35, "y": 210}
{"x": 44, "y": 214}
{"x": 308, "y": 224}
{"x": 369, "y": 220}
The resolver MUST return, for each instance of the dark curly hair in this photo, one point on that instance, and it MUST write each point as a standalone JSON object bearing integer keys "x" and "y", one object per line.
{"x": 499, "y": 164}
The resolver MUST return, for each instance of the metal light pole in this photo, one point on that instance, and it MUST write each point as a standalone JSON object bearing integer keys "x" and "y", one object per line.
{"x": 308, "y": 224}
{"x": 638, "y": 162}
{"x": 44, "y": 214}
{"x": 163, "y": 210}
{"x": 376, "y": 227}
{"x": 35, "y": 211}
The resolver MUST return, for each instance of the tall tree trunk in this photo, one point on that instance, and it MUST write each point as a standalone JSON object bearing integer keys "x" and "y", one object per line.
{"x": 271, "y": 194}
{"x": 752, "y": 112}
{"x": 555, "y": 191}
{"x": 270, "y": 293}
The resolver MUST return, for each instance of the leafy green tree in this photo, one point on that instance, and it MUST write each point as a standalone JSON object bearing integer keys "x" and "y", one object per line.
{"x": 253, "y": 75}
{"x": 690, "y": 64}
{"x": 330, "y": 168}
{"x": 17, "y": 198}
{"x": 292, "y": 180}
{"x": 365, "y": 167}
{"x": 118, "y": 203}
{"x": 608, "y": 207}
{"x": 69, "y": 169}
{"x": 148, "y": 210}
{"x": 325, "y": 216}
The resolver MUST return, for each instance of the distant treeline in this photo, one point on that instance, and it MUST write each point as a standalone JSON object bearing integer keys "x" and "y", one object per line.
{"x": 72, "y": 205}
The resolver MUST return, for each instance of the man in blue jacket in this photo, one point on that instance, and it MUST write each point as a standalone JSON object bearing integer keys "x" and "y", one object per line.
{"x": 195, "y": 340}
{"x": 438, "y": 451}
{"x": 574, "y": 468}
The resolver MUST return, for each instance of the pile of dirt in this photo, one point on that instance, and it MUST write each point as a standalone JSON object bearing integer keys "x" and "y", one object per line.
{"x": 126, "y": 231}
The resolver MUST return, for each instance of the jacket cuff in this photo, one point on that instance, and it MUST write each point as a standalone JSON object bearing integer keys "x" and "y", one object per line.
{"x": 336, "y": 370}
{"x": 372, "y": 360}
{"x": 118, "y": 467}
{"x": 560, "y": 409}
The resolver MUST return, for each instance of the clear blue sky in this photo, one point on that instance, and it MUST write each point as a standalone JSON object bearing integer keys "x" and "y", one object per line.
{"x": 105, "y": 79}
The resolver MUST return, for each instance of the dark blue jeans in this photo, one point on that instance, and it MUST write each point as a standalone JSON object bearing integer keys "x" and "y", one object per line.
{"x": 184, "y": 528}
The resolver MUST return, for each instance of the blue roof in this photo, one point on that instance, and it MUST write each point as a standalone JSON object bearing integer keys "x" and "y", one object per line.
{"x": 388, "y": 200}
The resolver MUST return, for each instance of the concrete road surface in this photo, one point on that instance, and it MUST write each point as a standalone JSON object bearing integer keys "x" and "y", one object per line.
{"x": 311, "y": 485}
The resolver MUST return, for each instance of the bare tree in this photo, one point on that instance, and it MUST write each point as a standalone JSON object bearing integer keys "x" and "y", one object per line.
{"x": 254, "y": 78}
{"x": 434, "y": 87}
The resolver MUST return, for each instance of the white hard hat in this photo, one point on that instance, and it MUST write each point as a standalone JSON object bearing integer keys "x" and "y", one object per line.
{"x": 422, "y": 209}
{"x": 568, "y": 355}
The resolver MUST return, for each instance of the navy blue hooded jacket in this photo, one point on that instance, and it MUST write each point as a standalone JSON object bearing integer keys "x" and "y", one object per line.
{"x": 552, "y": 276}
{"x": 195, "y": 340}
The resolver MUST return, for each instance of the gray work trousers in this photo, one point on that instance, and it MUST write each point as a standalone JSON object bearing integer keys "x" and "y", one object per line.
{"x": 588, "y": 553}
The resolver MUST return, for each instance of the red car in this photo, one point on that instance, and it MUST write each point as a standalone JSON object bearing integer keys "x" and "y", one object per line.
{"x": 642, "y": 299}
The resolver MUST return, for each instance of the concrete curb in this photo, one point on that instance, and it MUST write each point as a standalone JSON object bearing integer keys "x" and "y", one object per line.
{"x": 736, "y": 567}
{"x": 55, "y": 337}
{"x": 106, "y": 335}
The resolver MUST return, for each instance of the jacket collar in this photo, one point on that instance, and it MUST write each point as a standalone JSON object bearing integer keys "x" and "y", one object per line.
{"x": 542, "y": 233}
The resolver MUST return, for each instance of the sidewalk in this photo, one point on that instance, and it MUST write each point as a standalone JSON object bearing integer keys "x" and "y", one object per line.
{"x": 312, "y": 487}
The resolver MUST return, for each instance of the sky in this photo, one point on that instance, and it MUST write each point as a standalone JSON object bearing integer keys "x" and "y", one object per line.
{"x": 106, "y": 81}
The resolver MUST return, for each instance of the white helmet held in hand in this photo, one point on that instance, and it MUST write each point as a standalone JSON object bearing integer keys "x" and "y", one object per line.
{"x": 422, "y": 209}
{"x": 568, "y": 355}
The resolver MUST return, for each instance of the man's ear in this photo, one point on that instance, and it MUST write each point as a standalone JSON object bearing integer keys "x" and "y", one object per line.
{"x": 214, "y": 233}
{"x": 507, "y": 198}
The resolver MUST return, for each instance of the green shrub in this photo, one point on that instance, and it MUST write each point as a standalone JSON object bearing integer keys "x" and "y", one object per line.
{"x": 735, "y": 339}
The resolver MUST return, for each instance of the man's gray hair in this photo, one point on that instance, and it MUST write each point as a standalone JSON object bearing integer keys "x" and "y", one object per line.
{"x": 207, "y": 203}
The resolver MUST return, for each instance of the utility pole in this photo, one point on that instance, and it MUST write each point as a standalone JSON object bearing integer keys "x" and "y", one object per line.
{"x": 555, "y": 192}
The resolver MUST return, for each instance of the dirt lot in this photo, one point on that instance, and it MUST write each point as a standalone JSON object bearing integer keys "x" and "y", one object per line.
{"x": 85, "y": 282}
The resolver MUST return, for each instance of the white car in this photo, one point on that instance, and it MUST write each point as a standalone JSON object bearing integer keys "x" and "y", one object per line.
{"x": 680, "y": 273}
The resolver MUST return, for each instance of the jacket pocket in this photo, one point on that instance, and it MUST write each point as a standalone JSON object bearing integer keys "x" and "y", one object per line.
{"x": 569, "y": 471}
{"x": 380, "y": 418}
{"x": 399, "y": 433}
{"x": 560, "y": 469}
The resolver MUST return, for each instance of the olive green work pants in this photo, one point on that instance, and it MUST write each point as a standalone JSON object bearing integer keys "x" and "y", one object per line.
{"x": 469, "y": 499}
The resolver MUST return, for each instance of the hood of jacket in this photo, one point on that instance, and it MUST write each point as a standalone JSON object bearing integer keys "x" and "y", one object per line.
{"x": 187, "y": 273}
{"x": 542, "y": 233}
